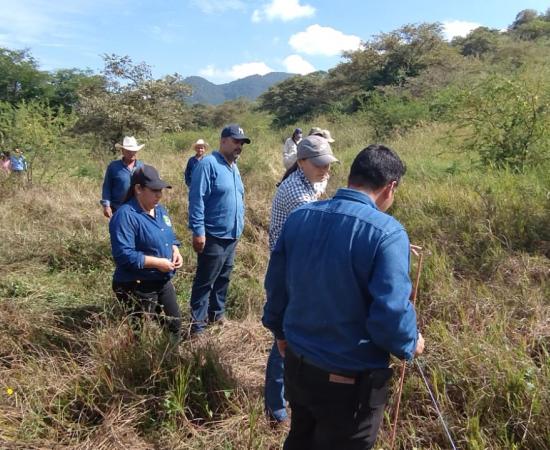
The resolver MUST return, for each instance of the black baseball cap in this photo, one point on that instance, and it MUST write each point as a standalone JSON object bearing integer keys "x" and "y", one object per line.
{"x": 149, "y": 177}
{"x": 236, "y": 132}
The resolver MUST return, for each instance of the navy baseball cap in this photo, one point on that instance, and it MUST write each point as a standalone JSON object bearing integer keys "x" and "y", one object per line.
{"x": 236, "y": 132}
{"x": 149, "y": 177}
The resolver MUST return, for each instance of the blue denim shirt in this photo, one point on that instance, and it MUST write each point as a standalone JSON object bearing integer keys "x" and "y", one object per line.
{"x": 338, "y": 285}
{"x": 135, "y": 234}
{"x": 191, "y": 164}
{"x": 216, "y": 199}
{"x": 117, "y": 182}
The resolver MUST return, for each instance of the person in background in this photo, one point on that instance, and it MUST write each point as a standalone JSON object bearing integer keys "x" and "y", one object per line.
{"x": 338, "y": 304}
{"x": 314, "y": 159}
{"x": 18, "y": 163}
{"x": 199, "y": 148}
{"x": 118, "y": 175}
{"x": 216, "y": 219}
{"x": 146, "y": 253}
{"x": 290, "y": 148}
{"x": 5, "y": 162}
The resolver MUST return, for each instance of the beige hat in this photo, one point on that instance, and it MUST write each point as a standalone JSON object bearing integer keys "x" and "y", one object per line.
{"x": 315, "y": 131}
{"x": 200, "y": 142}
{"x": 129, "y": 143}
{"x": 327, "y": 136}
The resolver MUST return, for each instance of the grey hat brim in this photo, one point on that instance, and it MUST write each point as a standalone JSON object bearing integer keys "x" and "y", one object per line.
{"x": 323, "y": 160}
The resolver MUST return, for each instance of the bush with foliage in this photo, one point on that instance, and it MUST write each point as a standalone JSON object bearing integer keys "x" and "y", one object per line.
{"x": 506, "y": 119}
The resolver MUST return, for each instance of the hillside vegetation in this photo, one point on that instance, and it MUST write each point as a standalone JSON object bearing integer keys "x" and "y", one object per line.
{"x": 476, "y": 197}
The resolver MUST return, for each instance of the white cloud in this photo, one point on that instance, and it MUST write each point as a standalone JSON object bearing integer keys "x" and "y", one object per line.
{"x": 297, "y": 64}
{"x": 454, "y": 28}
{"x": 285, "y": 10}
{"x": 318, "y": 40}
{"x": 235, "y": 72}
{"x": 216, "y": 6}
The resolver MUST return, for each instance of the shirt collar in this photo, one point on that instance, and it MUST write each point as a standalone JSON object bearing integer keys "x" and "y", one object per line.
{"x": 355, "y": 196}
{"x": 221, "y": 159}
{"x": 133, "y": 202}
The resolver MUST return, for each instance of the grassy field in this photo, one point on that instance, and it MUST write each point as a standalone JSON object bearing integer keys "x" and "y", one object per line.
{"x": 71, "y": 376}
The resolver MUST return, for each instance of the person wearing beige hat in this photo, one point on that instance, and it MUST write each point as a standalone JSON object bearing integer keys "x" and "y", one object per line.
{"x": 118, "y": 175}
{"x": 199, "y": 147}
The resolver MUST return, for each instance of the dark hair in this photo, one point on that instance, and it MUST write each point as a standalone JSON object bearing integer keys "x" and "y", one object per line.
{"x": 293, "y": 168}
{"x": 375, "y": 166}
{"x": 131, "y": 192}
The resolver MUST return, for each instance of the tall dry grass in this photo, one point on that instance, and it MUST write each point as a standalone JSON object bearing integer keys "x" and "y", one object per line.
{"x": 73, "y": 376}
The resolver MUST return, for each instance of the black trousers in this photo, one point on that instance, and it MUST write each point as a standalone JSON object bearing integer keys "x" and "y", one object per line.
{"x": 155, "y": 299}
{"x": 333, "y": 411}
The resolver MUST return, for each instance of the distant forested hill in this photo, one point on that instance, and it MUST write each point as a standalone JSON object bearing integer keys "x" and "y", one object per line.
{"x": 250, "y": 87}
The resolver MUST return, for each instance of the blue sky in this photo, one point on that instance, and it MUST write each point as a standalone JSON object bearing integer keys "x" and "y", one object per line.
{"x": 223, "y": 40}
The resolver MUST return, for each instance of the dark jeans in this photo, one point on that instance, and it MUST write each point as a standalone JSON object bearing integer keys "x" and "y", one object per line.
{"x": 150, "y": 298}
{"x": 333, "y": 411}
{"x": 214, "y": 266}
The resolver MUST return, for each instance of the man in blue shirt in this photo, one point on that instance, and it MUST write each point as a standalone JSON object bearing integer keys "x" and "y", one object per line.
{"x": 118, "y": 175}
{"x": 216, "y": 218}
{"x": 338, "y": 291}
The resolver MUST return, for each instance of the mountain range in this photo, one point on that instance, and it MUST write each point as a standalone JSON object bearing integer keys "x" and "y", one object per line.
{"x": 250, "y": 87}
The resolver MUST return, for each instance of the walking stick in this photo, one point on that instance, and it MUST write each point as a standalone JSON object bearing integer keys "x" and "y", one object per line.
{"x": 417, "y": 251}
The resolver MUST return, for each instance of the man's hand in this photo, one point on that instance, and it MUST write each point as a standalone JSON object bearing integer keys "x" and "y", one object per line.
{"x": 107, "y": 212}
{"x": 281, "y": 346}
{"x": 177, "y": 259}
{"x": 419, "y": 345}
{"x": 198, "y": 243}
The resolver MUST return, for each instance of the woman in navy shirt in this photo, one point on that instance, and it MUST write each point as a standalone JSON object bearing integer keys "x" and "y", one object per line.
{"x": 146, "y": 253}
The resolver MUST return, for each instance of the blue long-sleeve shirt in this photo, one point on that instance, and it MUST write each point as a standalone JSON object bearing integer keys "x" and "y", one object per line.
{"x": 191, "y": 164}
{"x": 134, "y": 235}
{"x": 216, "y": 199}
{"x": 117, "y": 182}
{"x": 338, "y": 285}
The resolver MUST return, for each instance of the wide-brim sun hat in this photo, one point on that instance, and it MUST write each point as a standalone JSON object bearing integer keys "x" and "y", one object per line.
{"x": 129, "y": 143}
{"x": 200, "y": 142}
{"x": 327, "y": 136}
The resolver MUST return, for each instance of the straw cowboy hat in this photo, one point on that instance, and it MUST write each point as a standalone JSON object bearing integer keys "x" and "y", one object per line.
{"x": 129, "y": 143}
{"x": 200, "y": 142}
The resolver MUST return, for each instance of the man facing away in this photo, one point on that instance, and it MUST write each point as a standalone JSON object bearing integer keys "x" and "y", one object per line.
{"x": 216, "y": 218}
{"x": 338, "y": 291}
{"x": 118, "y": 176}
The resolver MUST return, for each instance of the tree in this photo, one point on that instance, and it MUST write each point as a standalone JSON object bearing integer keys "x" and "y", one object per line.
{"x": 35, "y": 128}
{"x": 390, "y": 59}
{"x": 20, "y": 78}
{"x": 296, "y": 98}
{"x": 478, "y": 42}
{"x": 66, "y": 83}
{"x": 506, "y": 119}
{"x": 130, "y": 101}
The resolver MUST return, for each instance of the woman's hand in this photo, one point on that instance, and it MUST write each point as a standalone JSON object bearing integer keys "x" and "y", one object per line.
{"x": 177, "y": 259}
{"x": 162, "y": 264}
